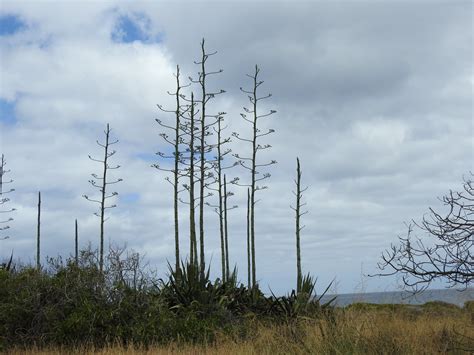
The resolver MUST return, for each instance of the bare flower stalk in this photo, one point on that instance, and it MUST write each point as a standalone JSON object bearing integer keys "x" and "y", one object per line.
{"x": 4, "y": 200}
{"x": 226, "y": 229}
{"x": 101, "y": 183}
{"x": 299, "y": 227}
{"x": 76, "y": 243}
{"x": 221, "y": 208}
{"x": 38, "y": 234}
{"x": 176, "y": 157}
{"x": 221, "y": 202}
{"x": 249, "y": 269}
{"x": 252, "y": 116}
{"x": 192, "y": 198}
{"x": 204, "y": 148}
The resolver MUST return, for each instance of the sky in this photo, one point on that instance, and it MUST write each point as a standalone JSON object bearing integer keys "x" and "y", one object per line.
{"x": 374, "y": 97}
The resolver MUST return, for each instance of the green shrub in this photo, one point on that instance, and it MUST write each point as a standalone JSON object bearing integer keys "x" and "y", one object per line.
{"x": 72, "y": 305}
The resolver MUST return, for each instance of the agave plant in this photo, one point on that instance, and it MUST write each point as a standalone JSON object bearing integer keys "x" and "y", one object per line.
{"x": 303, "y": 303}
{"x": 185, "y": 285}
{"x": 186, "y": 290}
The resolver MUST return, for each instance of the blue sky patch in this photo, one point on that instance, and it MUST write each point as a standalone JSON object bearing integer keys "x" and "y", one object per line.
{"x": 7, "y": 112}
{"x": 130, "y": 198}
{"x": 10, "y": 24}
{"x": 134, "y": 27}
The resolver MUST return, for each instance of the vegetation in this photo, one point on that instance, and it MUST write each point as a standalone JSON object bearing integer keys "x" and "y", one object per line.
{"x": 76, "y": 304}
{"x": 114, "y": 302}
{"x": 68, "y": 307}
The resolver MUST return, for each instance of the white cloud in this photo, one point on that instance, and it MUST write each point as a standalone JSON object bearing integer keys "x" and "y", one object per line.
{"x": 381, "y": 134}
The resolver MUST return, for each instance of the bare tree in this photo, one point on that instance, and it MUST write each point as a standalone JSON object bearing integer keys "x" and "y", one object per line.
{"x": 299, "y": 227}
{"x": 38, "y": 234}
{"x": 101, "y": 182}
{"x": 176, "y": 156}
{"x": 447, "y": 253}
{"x": 250, "y": 163}
{"x": 205, "y": 164}
{"x": 4, "y": 200}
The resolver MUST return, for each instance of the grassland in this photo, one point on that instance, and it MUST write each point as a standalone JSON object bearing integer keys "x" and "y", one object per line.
{"x": 73, "y": 307}
{"x": 433, "y": 328}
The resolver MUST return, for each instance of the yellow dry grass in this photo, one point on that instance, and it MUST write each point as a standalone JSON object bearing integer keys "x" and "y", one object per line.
{"x": 354, "y": 331}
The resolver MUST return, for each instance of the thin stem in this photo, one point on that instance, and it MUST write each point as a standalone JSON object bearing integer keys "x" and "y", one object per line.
{"x": 76, "y": 243}
{"x": 38, "y": 234}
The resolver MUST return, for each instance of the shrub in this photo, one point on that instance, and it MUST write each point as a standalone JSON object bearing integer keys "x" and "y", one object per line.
{"x": 74, "y": 304}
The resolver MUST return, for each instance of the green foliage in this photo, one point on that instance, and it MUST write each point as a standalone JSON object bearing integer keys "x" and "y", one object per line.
{"x": 303, "y": 303}
{"x": 74, "y": 304}
{"x": 70, "y": 304}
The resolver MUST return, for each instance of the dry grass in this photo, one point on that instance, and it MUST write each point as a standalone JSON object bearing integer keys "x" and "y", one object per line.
{"x": 378, "y": 330}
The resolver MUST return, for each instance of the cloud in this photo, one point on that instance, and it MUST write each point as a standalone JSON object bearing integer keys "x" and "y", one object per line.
{"x": 381, "y": 134}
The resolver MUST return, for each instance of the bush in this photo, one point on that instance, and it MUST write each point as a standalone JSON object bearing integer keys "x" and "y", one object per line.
{"x": 72, "y": 305}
